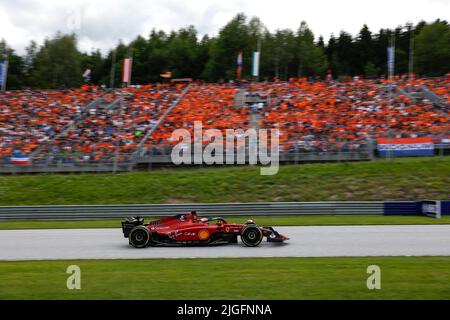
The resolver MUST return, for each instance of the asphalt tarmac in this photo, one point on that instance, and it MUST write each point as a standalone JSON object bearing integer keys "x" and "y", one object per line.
{"x": 310, "y": 241}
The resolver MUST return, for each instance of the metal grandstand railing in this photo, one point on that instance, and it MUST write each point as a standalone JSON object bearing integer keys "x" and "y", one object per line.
{"x": 399, "y": 90}
{"x": 113, "y": 104}
{"x": 73, "y": 162}
{"x": 434, "y": 98}
{"x": 163, "y": 155}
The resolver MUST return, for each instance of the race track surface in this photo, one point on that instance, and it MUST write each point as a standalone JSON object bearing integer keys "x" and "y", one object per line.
{"x": 313, "y": 241}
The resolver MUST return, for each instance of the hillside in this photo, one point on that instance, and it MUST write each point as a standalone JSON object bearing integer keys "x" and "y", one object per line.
{"x": 399, "y": 179}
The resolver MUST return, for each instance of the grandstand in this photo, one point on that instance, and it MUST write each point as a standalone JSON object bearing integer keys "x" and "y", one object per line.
{"x": 211, "y": 104}
{"x": 117, "y": 128}
{"x": 94, "y": 129}
{"x": 28, "y": 118}
{"x": 345, "y": 116}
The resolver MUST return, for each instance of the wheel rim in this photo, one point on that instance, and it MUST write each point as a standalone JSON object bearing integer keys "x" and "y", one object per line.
{"x": 252, "y": 237}
{"x": 139, "y": 238}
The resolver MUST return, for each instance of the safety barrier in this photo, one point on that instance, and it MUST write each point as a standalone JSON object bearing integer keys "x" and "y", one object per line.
{"x": 86, "y": 212}
{"x": 82, "y": 212}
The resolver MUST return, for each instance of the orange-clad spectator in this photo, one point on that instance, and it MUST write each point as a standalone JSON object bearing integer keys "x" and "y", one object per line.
{"x": 28, "y": 118}
{"x": 106, "y": 132}
{"x": 211, "y": 104}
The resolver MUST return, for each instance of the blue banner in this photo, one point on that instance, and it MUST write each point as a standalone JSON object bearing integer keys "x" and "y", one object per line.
{"x": 2, "y": 72}
{"x": 390, "y": 61}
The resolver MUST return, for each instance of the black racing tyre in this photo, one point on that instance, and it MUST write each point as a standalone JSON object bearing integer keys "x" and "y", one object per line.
{"x": 139, "y": 237}
{"x": 251, "y": 236}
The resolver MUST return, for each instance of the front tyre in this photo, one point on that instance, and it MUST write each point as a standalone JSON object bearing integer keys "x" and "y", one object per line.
{"x": 139, "y": 237}
{"x": 251, "y": 236}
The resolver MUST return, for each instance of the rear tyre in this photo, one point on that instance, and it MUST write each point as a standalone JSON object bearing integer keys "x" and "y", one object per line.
{"x": 251, "y": 236}
{"x": 139, "y": 237}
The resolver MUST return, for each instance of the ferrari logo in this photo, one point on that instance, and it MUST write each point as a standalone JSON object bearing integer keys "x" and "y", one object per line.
{"x": 203, "y": 234}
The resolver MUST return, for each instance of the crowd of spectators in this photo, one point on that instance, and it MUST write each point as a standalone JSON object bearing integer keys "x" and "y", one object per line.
{"x": 28, "y": 118}
{"x": 346, "y": 116}
{"x": 112, "y": 131}
{"x": 212, "y": 104}
{"x": 312, "y": 116}
{"x": 440, "y": 86}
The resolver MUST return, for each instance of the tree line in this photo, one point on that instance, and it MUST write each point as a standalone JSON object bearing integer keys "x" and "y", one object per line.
{"x": 285, "y": 53}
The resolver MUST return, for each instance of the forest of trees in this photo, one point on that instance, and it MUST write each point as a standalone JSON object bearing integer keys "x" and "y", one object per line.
{"x": 284, "y": 53}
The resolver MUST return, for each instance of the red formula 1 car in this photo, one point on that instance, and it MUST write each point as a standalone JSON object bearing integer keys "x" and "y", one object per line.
{"x": 188, "y": 229}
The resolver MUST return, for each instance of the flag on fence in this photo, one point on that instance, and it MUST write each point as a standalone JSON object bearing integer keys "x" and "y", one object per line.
{"x": 126, "y": 70}
{"x": 18, "y": 158}
{"x": 167, "y": 74}
{"x": 405, "y": 147}
{"x": 239, "y": 65}
{"x": 87, "y": 73}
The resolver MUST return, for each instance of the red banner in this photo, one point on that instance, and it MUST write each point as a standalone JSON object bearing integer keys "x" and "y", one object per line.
{"x": 126, "y": 70}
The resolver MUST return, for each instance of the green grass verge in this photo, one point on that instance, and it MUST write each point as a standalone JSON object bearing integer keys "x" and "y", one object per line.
{"x": 399, "y": 179}
{"x": 271, "y": 221}
{"x": 258, "y": 278}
